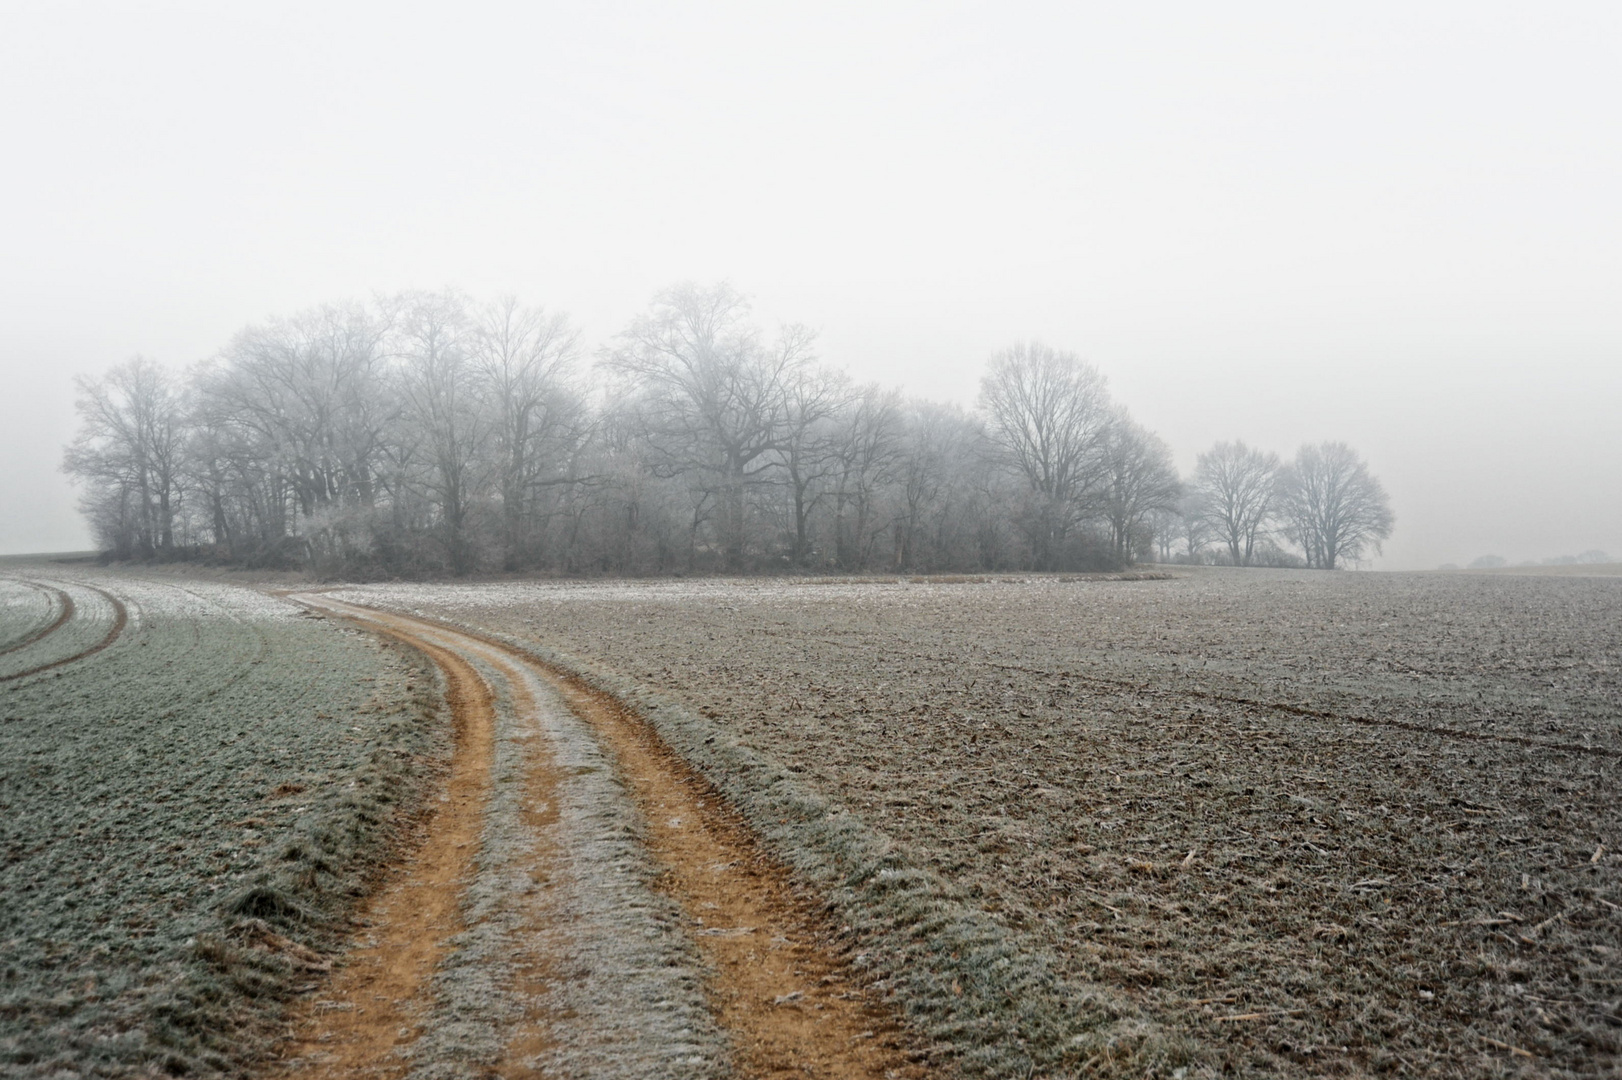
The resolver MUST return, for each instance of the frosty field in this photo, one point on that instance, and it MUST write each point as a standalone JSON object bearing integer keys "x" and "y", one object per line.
{"x": 25, "y": 612}
{"x": 1250, "y": 822}
{"x": 184, "y": 814}
{"x": 1211, "y": 823}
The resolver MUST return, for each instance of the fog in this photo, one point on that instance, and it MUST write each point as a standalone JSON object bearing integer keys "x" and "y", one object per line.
{"x": 1393, "y": 227}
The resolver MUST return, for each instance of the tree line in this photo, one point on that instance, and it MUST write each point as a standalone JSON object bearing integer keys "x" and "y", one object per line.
{"x": 426, "y": 433}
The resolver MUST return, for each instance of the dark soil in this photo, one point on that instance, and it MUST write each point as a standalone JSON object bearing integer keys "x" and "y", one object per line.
{"x": 1322, "y": 824}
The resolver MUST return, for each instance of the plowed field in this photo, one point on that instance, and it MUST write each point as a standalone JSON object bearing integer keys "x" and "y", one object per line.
{"x": 1251, "y": 822}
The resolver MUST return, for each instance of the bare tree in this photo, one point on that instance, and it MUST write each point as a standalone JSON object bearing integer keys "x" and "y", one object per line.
{"x": 1235, "y": 490}
{"x": 1193, "y": 530}
{"x": 421, "y": 433}
{"x": 865, "y": 450}
{"x": 708, "y": 394}
{"x": 1050, "y": 413}
{"x": 1140, "y": 481}
{"x": 1332, "y": 505}
{"x": 440, "y": 389}
{"x": 129, "y": 453}
{"x": 306, "y": 388}
{"x": 538, "y": 420}
{"x": 813, "y": 397}
{"x": 941, "y": 451}
{"x": 291, "y": 418}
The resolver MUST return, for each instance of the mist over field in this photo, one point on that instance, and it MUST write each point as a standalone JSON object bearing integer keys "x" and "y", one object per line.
{"x": 736, "y": 540}
{"x": 1390, "y": 228}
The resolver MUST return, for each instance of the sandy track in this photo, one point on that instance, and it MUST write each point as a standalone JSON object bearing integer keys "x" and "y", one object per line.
{"x": 789, "y": 1006}
{"x": 610, "y": 915}
{"x": 69, "y": 610}
{"x": 374, "y": 1003}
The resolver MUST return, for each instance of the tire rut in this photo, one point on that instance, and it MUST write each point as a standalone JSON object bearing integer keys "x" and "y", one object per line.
{"x": 64, "y": 604}
{"x": 576, "y": 1002}
{"x": 120, "y": 620}
{"x": 788, "y": 1003}
{"x": 1288, "y": 708}
{"x": 376, "y": 1003}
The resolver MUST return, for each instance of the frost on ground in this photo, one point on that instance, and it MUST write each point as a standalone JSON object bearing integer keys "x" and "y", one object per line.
{"x": 1316, "y": 824}
{"x": 25, "y": 610}
{"x": 94, "y": 616}
{"x": 564, "y": 928}
{"x": 182, "y": 815}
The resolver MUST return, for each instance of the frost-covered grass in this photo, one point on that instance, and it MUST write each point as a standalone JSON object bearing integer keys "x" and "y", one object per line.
{"x": 229, "y": 767}
{"x": 94, "y": 617}
{"x": 24, "y": 610}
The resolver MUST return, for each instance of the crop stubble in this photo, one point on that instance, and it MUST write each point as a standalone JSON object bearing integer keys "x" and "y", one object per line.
{"x": 1323, "y": 824}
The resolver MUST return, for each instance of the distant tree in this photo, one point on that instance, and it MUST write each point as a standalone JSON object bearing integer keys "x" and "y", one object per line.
{"x": 1235, "y": 491}
{"x": 1050, "y": 414}
{"x": 936, "y": 501}
{"x": 445, "y": 415}
{"x": 1140, "y": 481}
{"x": 1488, "y": 562}
{"x": 1333, "y": 507}
{"x": 708, "y": 397}
{"x": 1164, "y": 526}
{"x": 866, "y": 452}
{"x": 1193, "y": 530}
{"x": 129, "y": 454}
{"x": 304, "y": 388}
{"x": 538, "y": 420}
{"x": 423, "y": 433}
{"x": 1593, "y": 555}
{"x": 293, "y": 420}
{"x": 813, "y": 399}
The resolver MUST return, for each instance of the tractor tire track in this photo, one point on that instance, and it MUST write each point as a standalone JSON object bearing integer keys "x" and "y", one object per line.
{"x": 376, "y": 1003}
{"x": 1142, "y": 689}
{"x": 120, "y": 621}
{"x": 64, "y": 603}
{"x": 577, "y": 1003}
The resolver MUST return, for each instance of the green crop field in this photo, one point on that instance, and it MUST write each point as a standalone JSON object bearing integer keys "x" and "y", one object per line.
{"x": 25, "y": 611}
{"x": 225, "y": 768}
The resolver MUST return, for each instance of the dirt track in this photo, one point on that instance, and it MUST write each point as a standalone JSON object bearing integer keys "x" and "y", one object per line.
{"x": 595, "y": 897}
{"x": 1312, "y": 824}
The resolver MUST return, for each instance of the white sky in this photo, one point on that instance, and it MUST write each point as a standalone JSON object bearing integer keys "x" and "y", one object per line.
{"x": 1394, "y": 224}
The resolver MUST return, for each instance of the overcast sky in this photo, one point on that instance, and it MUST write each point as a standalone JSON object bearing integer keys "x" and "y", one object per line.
{"x": 1397, "y": 225}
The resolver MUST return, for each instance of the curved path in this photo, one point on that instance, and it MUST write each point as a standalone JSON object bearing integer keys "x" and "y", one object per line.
{"x": 69, "y": 612}
{"x": 582, "y": 903}
{"x": 64, "y": 611}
